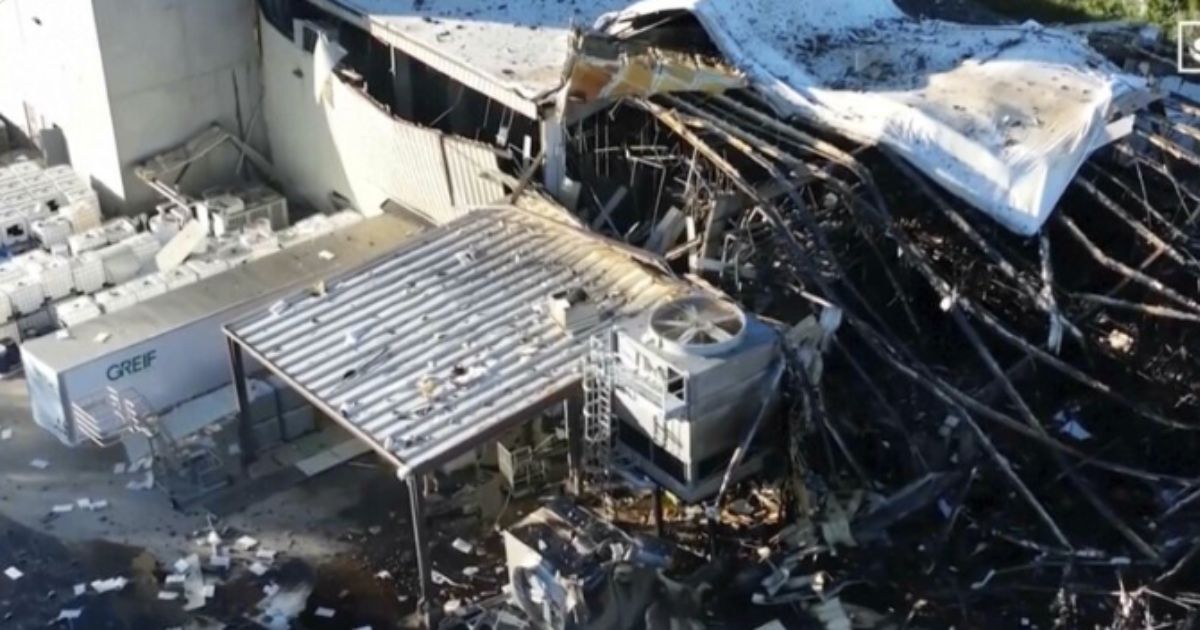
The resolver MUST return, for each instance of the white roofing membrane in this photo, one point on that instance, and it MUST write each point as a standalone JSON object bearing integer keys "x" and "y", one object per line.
{"x": 445, "y": 342}
{"x": 522, "y": 44}
{"x": 1002, "y": 116}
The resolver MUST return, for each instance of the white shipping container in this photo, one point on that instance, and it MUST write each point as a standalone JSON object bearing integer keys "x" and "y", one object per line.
{"x": 172, "y": 348}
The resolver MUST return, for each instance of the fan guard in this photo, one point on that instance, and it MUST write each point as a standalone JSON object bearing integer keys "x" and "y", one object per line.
{"x": 698, "y": 325}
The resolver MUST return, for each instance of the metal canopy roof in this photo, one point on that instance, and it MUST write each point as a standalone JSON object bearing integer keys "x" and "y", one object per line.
{"x": 446, "y": 343}
{"x": 514, "y": 51}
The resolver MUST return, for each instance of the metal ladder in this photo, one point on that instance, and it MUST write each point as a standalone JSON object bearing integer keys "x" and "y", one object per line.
{"x": 598, "y": 384}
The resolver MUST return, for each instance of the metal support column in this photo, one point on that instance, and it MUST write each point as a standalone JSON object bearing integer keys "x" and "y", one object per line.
{"x": 246, "y": 441}
{"x": 416, "y": 504}
{"x": 659, "y": 524}
{"x": 573, "y": 417}
{"x": 554, "y": 145}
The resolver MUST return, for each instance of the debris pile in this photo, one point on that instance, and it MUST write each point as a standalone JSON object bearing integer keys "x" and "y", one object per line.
{"x": 1003, "y": 426}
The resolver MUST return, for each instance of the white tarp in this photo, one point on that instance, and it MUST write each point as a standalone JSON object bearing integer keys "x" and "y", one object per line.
{"x": 1002, "y": 116}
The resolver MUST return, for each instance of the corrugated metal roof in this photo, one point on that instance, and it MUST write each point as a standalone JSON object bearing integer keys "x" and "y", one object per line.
{"x": 427, "y": 353}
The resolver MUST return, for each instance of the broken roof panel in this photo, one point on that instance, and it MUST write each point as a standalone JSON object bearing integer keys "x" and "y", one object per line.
{"x": 516, "y": 46}
{"x": 1003, "y": 116}
{"x": 447, "y": 342}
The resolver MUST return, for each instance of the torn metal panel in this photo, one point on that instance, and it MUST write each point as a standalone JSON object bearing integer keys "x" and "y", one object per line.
{"x": 467, "y": 165}
{"x": 448, "y": 341}
{"x": 604, "y": 68}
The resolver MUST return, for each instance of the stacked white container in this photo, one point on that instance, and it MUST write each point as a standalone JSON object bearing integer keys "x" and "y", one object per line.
{"x": 121, "y": 264}
{"x": 119, "y": 229}
{"x": 26, "y": 295}
{"x": 179, "y": 277}
{"x": 82, "y": 209}
{"x": 115, "y": 299}
{"x": 144, "y": 245}
{"x": 56, "y": 278}
{"x": 5, "y": 308}
{"x": 207, "y": 267}
{"x": 76, "y": 311}
{"x": 147, "y": 287}
{"x": 87, "y": 241}
{"x": 51, "y": 231}
{"x": 87, "y": 271}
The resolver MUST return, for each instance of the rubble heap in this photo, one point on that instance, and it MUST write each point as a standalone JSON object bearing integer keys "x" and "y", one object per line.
{"x": 1001, "y": 430}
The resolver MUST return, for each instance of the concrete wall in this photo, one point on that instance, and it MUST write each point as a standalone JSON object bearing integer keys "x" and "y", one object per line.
{"x": 171, "y": 68}
{"x": 124, "y": 79}
{"x": 50, "y": 61}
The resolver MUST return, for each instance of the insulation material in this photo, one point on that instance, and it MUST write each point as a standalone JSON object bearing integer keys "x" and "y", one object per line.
{"x": 609, "y": 69}
{"x": 52, "y": 231}
{"x": 87, "y": 272}
{"x": 115, "y": 299}
{"x": 76, "y": 311}
{"x": 1002, "y": 116}
{"x": 25, "y": 295}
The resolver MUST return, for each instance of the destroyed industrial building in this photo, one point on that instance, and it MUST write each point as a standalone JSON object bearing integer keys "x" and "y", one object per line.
{"x": 760, "y": 314}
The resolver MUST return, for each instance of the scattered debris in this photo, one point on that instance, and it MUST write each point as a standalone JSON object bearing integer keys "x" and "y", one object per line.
{"x": 40, "y": 464}
{"x": 109, "y": 584}
{"x": 13, "y": 573}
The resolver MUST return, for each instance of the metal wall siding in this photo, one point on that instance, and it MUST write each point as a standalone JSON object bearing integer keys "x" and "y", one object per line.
{"x": 402, "y": 160}
{"x": 463, "y": 306}
{"x": 465, "y": 160}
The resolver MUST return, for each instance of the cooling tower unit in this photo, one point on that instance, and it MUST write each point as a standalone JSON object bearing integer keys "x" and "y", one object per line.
{"x": 691, "y": 377}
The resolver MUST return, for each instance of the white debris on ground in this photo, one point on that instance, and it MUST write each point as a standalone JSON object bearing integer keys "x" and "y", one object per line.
{"x": 39, "y": 464}
{"x": 1002, "y": 116}
{"x": 110, "y": 584}
{"x": 13, "y": 573}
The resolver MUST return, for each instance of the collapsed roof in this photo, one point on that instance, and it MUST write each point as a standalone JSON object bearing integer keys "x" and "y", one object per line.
{"x": 1001, "y": 116}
